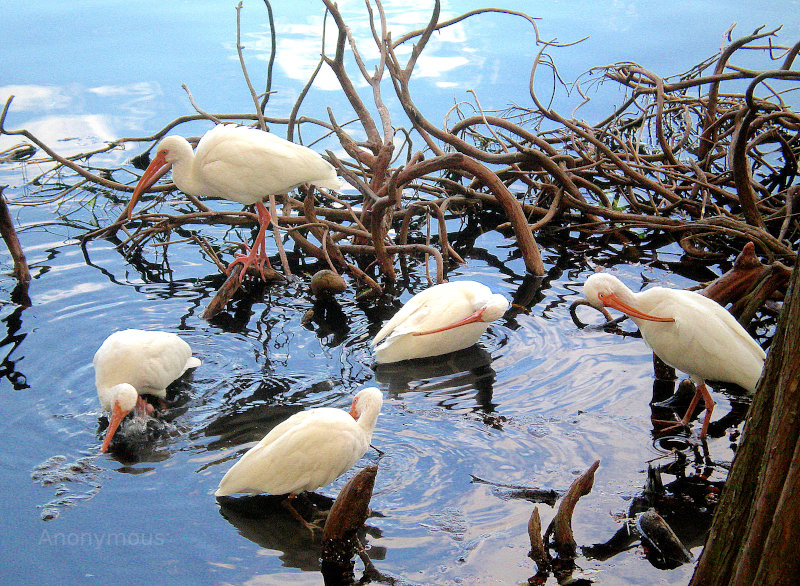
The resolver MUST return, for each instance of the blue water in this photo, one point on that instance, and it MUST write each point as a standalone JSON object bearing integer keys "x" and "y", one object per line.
{"x": 534, "y": 404}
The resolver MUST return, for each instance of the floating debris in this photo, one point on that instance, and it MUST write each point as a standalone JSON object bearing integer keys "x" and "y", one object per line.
{"x": 660, "y": 541}
{"x": 326, "y": 282}
{"x": 56, "y": 470}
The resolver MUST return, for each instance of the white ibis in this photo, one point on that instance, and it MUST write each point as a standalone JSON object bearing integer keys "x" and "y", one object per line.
{"x": 239, "y": 164}
{"x": 309, "y": 450}
{"x": 688, "y": 331}
{"x": 442, "y": 319}
{"x": 131, "y": 363}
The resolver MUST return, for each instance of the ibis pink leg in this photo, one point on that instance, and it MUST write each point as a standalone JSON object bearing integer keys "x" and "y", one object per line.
{"x": 288, "y": 504}
{"x": 143, "y": 407}
{"x": 709, "y": 405}
{"x": 257, "y": 255}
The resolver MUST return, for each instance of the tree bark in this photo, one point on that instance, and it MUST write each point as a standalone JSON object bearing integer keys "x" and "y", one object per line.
{"x": 21, "y": 271}
{"x": 753, "y": 539}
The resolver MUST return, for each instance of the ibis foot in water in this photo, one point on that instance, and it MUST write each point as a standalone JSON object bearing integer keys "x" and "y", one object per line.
{"x": 143, "y": 407}
{"x": 709, "y": 404}
{"x": 310, "y": 526}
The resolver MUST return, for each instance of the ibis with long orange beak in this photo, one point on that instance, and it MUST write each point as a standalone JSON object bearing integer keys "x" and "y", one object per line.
{"x": 688, "y": 331}
{"x": 240, "y": 164}
{"x": 131, "y": 363}
{"x": 441, "y": 319}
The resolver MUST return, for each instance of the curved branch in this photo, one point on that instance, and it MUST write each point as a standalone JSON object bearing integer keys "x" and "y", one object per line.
{"x": 739, "y": 165}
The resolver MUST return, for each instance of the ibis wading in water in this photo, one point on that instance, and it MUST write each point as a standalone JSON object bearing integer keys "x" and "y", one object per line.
{"x": 132, "y": 363}
{"x": 688, "y": 331}
{"x": 239, "y": 164}
{"x": 442, "y": 319}
{"x": 309, "y": 450}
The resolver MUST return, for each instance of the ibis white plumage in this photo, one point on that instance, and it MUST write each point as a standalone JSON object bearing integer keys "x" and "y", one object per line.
{"x": 239, "y": 164}
{"x": 131, "y": 363}
{"x": 688, "y": 331}
{"x": 441, "y": 319}
{"x": 307, "y": 451}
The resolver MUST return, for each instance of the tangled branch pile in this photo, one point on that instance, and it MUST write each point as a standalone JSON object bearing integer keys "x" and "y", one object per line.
{"x": 689, "y": 157}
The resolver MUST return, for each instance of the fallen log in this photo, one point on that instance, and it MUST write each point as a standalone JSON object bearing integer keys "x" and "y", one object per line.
{"x": 230, "y": 287}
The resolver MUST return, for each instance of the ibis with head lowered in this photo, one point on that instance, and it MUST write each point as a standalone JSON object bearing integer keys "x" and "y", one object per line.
{"x": 688, "y": 331}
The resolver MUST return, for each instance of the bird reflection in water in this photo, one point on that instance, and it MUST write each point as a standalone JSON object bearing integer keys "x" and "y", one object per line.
{"x": 266, "y": 522}
{"x": 462, "y": 374}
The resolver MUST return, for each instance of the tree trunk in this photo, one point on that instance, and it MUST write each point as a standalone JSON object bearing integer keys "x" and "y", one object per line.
{"x": 753, "y": 539}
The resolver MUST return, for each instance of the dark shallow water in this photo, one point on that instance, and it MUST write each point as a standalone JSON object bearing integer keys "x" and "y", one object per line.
{"x": 532, "y": 405}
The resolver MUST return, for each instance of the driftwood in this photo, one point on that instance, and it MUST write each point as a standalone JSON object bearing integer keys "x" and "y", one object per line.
{"x": 346, "y": 517}
{"x": 747, "y": 270}
{"x": 748, "y": 278}
{"x": 230, "y": 287}
{"x": 561, "y": 526}
{"x": 537, "y": 553}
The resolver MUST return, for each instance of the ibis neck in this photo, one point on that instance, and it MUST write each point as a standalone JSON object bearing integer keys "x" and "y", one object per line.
{"x": 368, "y": 419}
{"x": 184, "y": 173}
{"x": 627, "y": 296}
{"x": 647, "y": 302}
